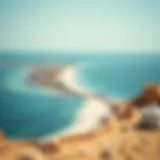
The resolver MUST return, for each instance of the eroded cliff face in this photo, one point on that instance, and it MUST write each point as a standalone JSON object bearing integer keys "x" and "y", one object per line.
{"x": 150, "y": 95}
{"x": 119, "y": 139}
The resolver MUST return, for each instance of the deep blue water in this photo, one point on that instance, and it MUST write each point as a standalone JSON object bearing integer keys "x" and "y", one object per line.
{"x": 30, "y": 111}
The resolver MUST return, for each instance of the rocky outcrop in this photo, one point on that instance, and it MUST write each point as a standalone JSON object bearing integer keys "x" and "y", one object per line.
{"x": 150, "y": 95}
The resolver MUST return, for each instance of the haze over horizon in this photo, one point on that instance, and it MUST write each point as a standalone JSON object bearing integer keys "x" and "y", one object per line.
{"x": 80, "y": 25}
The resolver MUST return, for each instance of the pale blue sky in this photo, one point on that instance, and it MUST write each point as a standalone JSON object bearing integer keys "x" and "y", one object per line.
{"x": 74, "y": 25}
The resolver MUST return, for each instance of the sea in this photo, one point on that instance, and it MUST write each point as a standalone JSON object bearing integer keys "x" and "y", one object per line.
{"x": 35, "y": 112}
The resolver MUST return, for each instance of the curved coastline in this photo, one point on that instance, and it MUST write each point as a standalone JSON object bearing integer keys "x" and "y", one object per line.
{"x": 95, "y": 103}
{"x": 64, "y": 83}
{"x": 85, "y": 121}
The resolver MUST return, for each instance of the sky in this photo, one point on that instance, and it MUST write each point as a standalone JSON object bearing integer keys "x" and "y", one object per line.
{"x": 80, "y": 25}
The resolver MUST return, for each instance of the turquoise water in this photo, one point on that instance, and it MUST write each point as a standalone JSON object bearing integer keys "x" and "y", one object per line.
{"x": 120, "y": 77}
{"x": 33, "y": 112}
{"x": 30, "y": 111}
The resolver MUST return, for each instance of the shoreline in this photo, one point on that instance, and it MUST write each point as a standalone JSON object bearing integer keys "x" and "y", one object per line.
{"x": 85, "y": 121}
